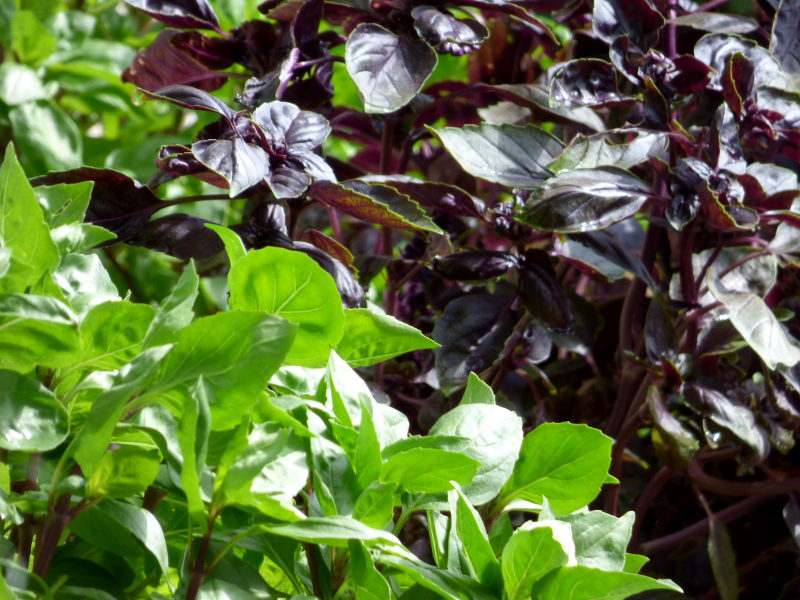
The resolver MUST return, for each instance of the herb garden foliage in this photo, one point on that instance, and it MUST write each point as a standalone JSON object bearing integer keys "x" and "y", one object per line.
{"x": 592, "y": 205}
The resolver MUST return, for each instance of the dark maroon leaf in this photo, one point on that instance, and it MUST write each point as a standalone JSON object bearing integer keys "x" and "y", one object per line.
{"x": 585, "y": 82}
{"x": 169, "y": 61}
{"x": 687, "y": 75}
{"x": 447, "y": 34}
{"x": 190, "y": 97}
{"x": 186, "y": 14}
{"x": 289, "y": 130}
{"x": 585, "y": 200}
{"x": 545, "y": 299}
{"x": 258, "y": 90}
{"x": 785, "y": 42}
{"x": 118, "y": 203}
{"x": 656, "y": 107}
{"x": 725, "y": 144}
{"x": 661, "y": 338}
{"x": 242, "y": 165}
{"x": 714, "y": 49}
{"x": 373, "y": 203}
{"x": 443, "y": 197}
{"x": 305, "y": 24}
{"x": 675, "y": 444}
{"x": 351, "y": 292}
{"x": 682, "y": 209}
{"x": 179, "y": 235}
{"x": 472, "y": 332}
{"x": 389, "y": 70}
{"x": 635, "y": 18}
{"x": 474, "y": 264}
{"x": 521, "y": 10}
{"x": 737, "y": 81}
{"x": 619, "y": 245}
{"x": 723, "y": 559}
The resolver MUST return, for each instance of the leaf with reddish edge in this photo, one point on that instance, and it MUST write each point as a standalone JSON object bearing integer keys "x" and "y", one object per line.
{"x": 187, "y": 58}
{"x": 585, "y": 82}
{"x": 242, "y": 165}
{"x": 737, "y": 80}
{"x": 189, "y": 97}
{"x": 373, "y": 203}
{"x": 713, "y": 49}
{"x": 785, "y": 43}
{"x": 329, "y": 245}
{"x": 717, "y": 22}
{"x": 443, "y": 197}
{"x": 179, "y": 235}
{"x": 389, "y": 70}
{"x": 585, "y": 200}
{"x": 351, "y": 292}
{"x": 186, "y": 14}
{"x": 635, "y": 18}
{"x": 118, "y": 203}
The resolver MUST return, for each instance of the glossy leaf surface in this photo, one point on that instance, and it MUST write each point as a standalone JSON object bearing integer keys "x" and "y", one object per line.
{"x": 31, "y": 417}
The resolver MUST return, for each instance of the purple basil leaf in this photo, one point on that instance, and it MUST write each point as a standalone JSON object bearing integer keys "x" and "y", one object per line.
{"x": 618, "y": 245}
{"x": 635, "y": 18}
{"x": 738, "y": 80}
{"x": 472, "y": 331}
{"x": 443, "y": 197}
{"x": 585, "y": 82}
{"x": 545, "y": 299}
{"x": 290, "y": 130}
{"x": 446, "y": 33}
{"x": 186, "y": 14}
{"x": 242, "y": 165}
{"x": 508, "y": 155}
{"x": 585, "y": 200}
{"x": 190, "y": 97}
{"x": 389, "y": 70}
{"x": 687, "y": 75}
{"x": 656, "y": 107}
{"x": 179, "y": 235}
{"x": 717, "y": 22}
{"x": 330, "y": 245}
{"x": 714, "y": 49}
{"x": 288, "y": 183}
{"x": 536, "y": 343}
{"x": 305, "y": 24}
{"x": 785, "y": 42}
{"x": 259, "y": 90}
{"x": 678, "y": 442}
{"x": 730, "y": 415}
{"x": 769, "y": 186}
{"x": 725, "y": 144}
{"x": 520, "y": 10}
{"x": 683, "y": 208}
{"x": 471, "y": 265}
{"x": 351, "y": 292}
{"x": 179, "y": 160}
{"x": 661, "y": 337}
{"x": 373, "y": 203}
{"x": 314, "y": 165}
{"x": 599, "y": 150}
{"x": 537, "y": 98}
{"x": 169, "y": 60}
{"x": 118, "y": 203}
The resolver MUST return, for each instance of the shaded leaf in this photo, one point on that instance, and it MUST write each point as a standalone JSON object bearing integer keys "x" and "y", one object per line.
{"x": 188, "y": 14}
{"x": 31, "y": 417}
{"x": 544, "y": 298}
{"x": 470, "y": 265}
{"x": 368, "y": 583}
{"x": 723, "y": 559}
{"x": 48, "y": 137}
{"x": 585, "y": 82}
{"x": 439, "y": 196}
{"x": 388, "y": 70}
{"x": 124, "y": 471}
{"x": 179, "y": 235}
{"x": 373, "y": 203}
{"x": 332, "y": 531}
{"x": 375, "y": 505}
{"x": 585, "y": 200}
{"x": 506, "y": 154}
{"x": 636, "y": 19}
{"x": 190, "y": 97}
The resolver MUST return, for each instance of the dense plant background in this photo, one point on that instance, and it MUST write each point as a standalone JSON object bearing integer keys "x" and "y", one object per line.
{"x": 593, "y": 206}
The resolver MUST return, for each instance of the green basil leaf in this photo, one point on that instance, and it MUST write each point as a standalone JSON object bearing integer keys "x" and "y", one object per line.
{"x": 31, "y": 417}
